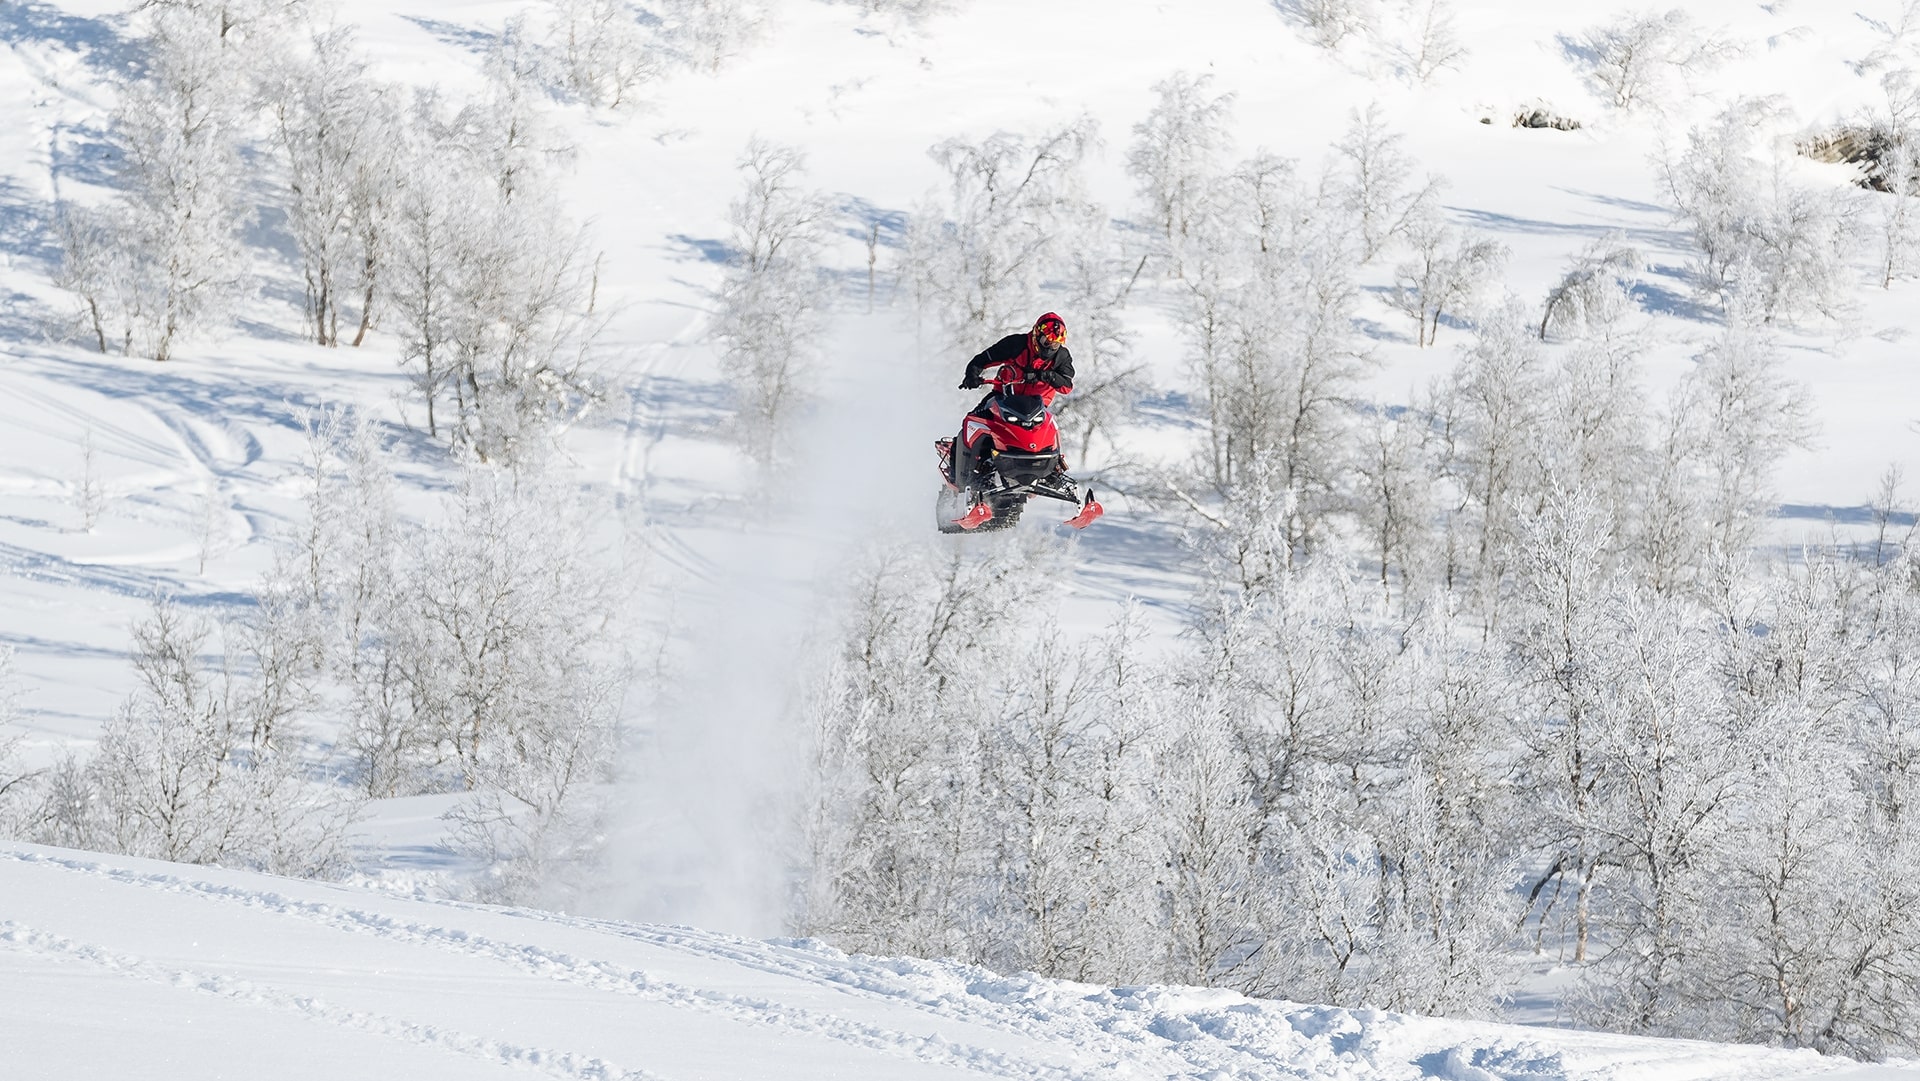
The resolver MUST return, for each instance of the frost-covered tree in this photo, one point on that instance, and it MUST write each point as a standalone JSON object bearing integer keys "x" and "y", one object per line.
{"x": 1379, "y": 183}
{"x": 709, "y": 32}
{"x": 905, "y": 849}
{"x": 980, "y": 258}
{"x": 769, "y": 316}
{"x": 1444, "y": 276}
{"x": 182, "y": 771}
{"x": 1270, "y": 317}
{"x": 332, "y": 128}
{"x": 1175, "y": 156}
{"x": 1771, "y": 247}
{"x": 1429, "y": 44}
{"x": 1333, "y": 22}
{"x": 605, "y": 51}
{"x": 1417, "y": 37}
{"x": 1899, "y": 216}
{"x": 1641, "y": 58}
{"x": 1594, "y": 292}
{"x": 1897, "y": 38}
{"x": 1558, "y": 633}
{"x": 237, "y": 24}
{"x": 1673, "y": 760}
{"x": 1209, "y": 813}
{"x": 492, "y": 289}
{"x": 1497, "y": 401}
{"x": 15, "y": 783}
{"x": 156, "y": 261}
{"x": 1714, "y": 449}
{"x": 476, "y": 651}
{"x": 1597, "y": 431}
{"x": 1393, "y": 497}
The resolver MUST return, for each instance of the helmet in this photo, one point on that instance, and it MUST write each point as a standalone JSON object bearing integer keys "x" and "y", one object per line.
{"x": 1049, "y": 334}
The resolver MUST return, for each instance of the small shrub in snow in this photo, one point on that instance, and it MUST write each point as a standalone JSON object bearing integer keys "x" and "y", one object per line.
{"x": 709, "y": 32}
{"x": 1333, "y": 21}
{"x": 1595, "y": 290}
{"x": 1444, "y": 276}
{"x": 1430, "y": 44}
{"x": 1772, "y": 248}
{"x": 13, "y": 781}
{"x": 492, "y": 291}
{"x": 194, "y": 768}
{"x": 604, "y": 51}
{"x": 160, "y": 258}
{"x": 1416, "y": 36}
{"x": 1175, "y": 156}
{"x": 1640, "y": 59}
{"x": 1380, "y": 183}
{"x": 335, "y": 131}
{"x": 769, "y": 313}
{"x": 980, "y": 257}
{"x": 912, "y": 11}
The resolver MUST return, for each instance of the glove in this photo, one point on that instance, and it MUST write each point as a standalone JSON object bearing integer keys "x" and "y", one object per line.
{"x": 1055, "y": 380}
{"x": 971, "y": 381}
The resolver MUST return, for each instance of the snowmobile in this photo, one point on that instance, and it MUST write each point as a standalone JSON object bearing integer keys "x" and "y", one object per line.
{"x": 1008, "y": 456}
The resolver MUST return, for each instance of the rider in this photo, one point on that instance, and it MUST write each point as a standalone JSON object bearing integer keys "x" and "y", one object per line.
{"x": 1038, "y": 356}
{"x": 1036, "y": 362}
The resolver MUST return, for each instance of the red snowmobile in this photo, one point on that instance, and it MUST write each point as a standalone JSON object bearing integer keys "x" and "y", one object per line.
{"x": 1006, "y": 456}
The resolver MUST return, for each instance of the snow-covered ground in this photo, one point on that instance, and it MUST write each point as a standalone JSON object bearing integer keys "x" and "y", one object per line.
{"x": 117, "y": 967}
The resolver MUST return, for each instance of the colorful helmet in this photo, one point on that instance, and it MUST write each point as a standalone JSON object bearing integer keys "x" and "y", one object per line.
{"x": 1049, "y": 334}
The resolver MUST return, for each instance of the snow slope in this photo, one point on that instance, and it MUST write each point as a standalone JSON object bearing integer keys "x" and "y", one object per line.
{"x": 117, "y": 967}
{"x": 114, "y": 967}
{"x": 199, "y": 460}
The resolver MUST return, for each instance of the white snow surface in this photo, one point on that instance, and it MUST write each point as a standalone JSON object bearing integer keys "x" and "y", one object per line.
{"x": 114, "y": 967}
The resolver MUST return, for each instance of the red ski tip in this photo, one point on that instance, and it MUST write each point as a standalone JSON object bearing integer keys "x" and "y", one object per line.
{"x": 975, "y": 517}
{"x": 1088, "y": 512}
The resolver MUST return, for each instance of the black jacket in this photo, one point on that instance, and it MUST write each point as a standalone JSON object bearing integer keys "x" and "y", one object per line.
{"x": 1015, "y": 349}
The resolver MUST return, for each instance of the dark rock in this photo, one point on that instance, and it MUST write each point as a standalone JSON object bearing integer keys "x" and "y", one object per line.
{"x": 1866, "y": 146}
{"x": 1541, "y": 118}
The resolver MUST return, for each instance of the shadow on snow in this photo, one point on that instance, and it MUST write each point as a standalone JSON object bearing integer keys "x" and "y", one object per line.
{"x": 99, "y": 41}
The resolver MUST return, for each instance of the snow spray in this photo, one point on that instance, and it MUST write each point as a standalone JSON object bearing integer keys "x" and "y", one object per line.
{"x": 707, "y": 832}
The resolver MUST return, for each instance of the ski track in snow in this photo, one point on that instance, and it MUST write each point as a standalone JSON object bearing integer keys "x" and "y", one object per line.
{"x": 1111, "y": 1033}
{"x": 597, "y": 974}
{"x": 563, "y": 1064}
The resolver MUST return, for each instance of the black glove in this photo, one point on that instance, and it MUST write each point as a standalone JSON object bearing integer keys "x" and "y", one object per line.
{"x": 971, "y": 381}
{"x": 1055, "y": 379}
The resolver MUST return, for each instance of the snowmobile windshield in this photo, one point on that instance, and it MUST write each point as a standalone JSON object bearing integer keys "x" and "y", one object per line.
{"x": 1026, "y": 410}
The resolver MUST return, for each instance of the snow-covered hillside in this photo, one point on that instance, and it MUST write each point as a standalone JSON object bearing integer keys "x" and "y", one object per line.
{"x": 119, "y": 967}
{"x": 703, "y": 606}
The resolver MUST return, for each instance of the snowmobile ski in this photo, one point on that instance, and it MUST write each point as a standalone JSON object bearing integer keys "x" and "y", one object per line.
{"x": 1089, "y": 510}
